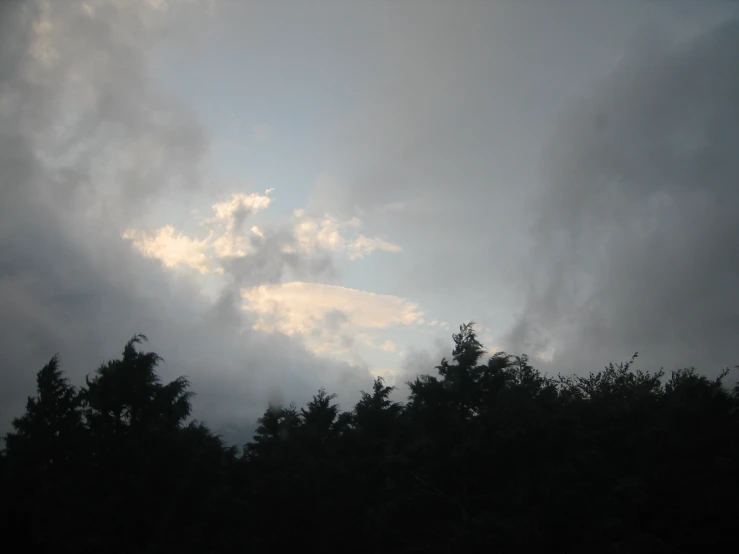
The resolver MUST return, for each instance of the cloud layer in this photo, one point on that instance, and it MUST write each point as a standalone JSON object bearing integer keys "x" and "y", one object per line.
{"x": 89, "y": 148}
{"x": 635, "y": 238}
{"x": 568, "y": 180}
{"x": 228, "y": 237}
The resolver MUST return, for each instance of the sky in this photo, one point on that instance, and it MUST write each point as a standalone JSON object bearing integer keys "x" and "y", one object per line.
{"x": 291, "y": 195}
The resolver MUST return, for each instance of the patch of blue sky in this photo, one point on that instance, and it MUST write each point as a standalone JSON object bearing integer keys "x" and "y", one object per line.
{"x": 372, "y": 273}
{"x": 267, "y": 121}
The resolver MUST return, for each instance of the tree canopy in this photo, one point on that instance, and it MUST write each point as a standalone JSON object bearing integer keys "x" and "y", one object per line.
{"x": 485, "y": 455}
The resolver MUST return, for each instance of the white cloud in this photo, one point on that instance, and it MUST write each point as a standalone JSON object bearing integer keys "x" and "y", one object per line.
{"x": 250, "y": 203}
{"x": 225, "y": 236}
{"x": 388, "y": 346}
{"x": 371, "y": 341}
{"x": 364, "y": 245}
{"x": 330, "y": 320}
{"x": 298, "y": 307}
{"x": 171, "y": 248}
{"x": 326, "y": 233}
{"x": 228, "y": 237}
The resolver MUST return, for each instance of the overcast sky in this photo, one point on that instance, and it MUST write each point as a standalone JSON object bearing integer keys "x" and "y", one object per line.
{"x": 286, "y": 195}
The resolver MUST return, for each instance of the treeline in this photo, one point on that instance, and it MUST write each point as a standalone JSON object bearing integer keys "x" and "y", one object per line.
{"x": 491, "y": 457}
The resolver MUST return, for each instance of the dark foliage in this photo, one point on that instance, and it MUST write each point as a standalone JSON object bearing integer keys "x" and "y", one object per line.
{"x": 483, "y": 457}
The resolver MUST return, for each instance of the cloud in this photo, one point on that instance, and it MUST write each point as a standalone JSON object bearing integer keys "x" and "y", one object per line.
{"x": 621, "y": 240}
{"x": 439, "y": 147}
{"x": 302, "y": 243}
{"x": 226, "y": 236}
{"x": 90, "y": 148}
{"x": 388, "y": 375}
{"x": 372, "y": 340}
{"x": 331, "y": 320}
{"x": 109, "y": 148}
{"x": 297, "y": 308}
{"x": 171, "y": 247}
{"x": 325, "y": 233}
{"x": 399, "y": 206}
{"x": 362, "y": 245}
{"x": 635, "y": 237}
{"x": 629, "y": 193}
{"x": 239, "y": 207}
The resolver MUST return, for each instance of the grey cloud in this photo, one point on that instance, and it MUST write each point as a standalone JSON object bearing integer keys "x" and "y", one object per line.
{"x": 619, "y": 238}
{"x": 631, "y": 232}
{"x": 240, "y": 217}
{"x": 88, "y": 147}
{"x": 334, "y": 320}
{"x": 452, "y": 120}
{"x": 276, "y": 257}
{"x": 93, "y": 70}
{"x": 635, "y": 242}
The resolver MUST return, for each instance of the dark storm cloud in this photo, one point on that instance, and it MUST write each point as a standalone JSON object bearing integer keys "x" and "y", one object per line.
{"x": 442, "y": 148}
{"x": 87, "y": 146}
{"x": 632, "y": 209}
{"x": 636, "y": 237}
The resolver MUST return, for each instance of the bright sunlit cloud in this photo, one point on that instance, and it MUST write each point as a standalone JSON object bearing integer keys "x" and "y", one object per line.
{"x": 227, "y": 236}
{"x": 326, "y": 233}
{"x": 298, "y": 308}
{"x": 330, "y": 319}
{"x": 171, "y": 247}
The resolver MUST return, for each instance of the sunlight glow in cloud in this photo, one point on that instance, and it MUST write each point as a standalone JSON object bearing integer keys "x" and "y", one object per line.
{"x": 228, "y": 236}
{"x": 331, "y": 320}
{"x": 298, "y": 308}
{"x": 371, "y": 341}
{"x": 171, "y": 247}
{"x": 326, "y": 234}
{"x": 225, "y": 236}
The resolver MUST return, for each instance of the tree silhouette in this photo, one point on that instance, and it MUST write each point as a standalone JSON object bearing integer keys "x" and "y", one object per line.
{"x": 128, "y": 394}
{"x": 486, "y": 455}
{"x": 46, "y": 433}
{"x": 44, "y": 452}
